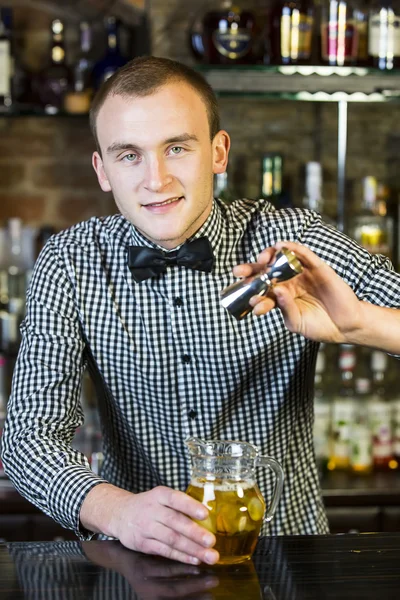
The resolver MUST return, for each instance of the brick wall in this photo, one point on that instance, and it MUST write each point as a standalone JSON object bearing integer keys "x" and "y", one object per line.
{"x": 45, "y": 163}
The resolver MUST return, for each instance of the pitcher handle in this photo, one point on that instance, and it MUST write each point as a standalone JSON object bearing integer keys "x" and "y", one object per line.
{"x": 267, "y": 461}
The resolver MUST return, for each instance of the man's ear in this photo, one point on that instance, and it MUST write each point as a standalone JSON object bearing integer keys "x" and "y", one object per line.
{"x": 98, "y": 166}
{"x": 221, "y": 144}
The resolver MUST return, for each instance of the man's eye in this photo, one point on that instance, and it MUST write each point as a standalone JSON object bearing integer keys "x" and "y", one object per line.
{"x": 176, "y": 149}
{"x": 130, "y": 157}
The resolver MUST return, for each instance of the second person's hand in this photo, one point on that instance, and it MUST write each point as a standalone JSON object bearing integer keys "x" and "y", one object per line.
{"x": 318, "y": 304}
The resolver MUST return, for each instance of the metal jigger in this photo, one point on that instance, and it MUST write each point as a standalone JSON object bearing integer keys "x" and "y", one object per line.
{"x": 235, "y": 298}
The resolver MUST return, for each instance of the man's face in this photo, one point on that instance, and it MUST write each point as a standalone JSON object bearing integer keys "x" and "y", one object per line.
{"x": 158, "y": 160}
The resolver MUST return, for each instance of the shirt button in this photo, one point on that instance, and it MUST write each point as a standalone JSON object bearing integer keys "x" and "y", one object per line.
{"x": 178, "y": 301}
{"x": 186, "y": 358}
{"x": 192, "y": 414}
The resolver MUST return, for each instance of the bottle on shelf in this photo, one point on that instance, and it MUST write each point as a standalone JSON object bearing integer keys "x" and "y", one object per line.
{"x": 343, "y": 411}
{"x": 361, "y": 14}
{"x": 226, "y": 32}
{"x": 272, "y": 180}
{"x": 339, "y": 33}
{"x": 379, "y": 411}
{"x": 5, "y": 59}
{"x": 361, "y": 462}
{"x": 384, "y": 34}
{"x": 113, "y": 58}
{"x": 313, "y": 198}
{"x": 291, "y": 32}
{"x": 16, "y": 261}
{"x": 55, "y": 79}
{"x": 373, "y": 228}
{"x": 78, "y": 99}
{"x": 322, "y": 414}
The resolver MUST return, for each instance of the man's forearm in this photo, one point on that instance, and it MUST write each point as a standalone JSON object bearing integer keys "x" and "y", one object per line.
{"x": 99, "y": 511}
{"x": 380, "y": 328}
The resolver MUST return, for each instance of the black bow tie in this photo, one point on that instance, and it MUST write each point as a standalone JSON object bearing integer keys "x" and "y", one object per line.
{"x": 147, "y": 262}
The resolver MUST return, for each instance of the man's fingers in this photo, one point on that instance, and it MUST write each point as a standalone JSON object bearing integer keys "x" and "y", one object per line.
{"x": 262, "y": 304}
{"x": 305, "y": 255}
{"x": 184, "y": 550}
{"x": 183, "y": 503}
{"x": 247, "y": 269}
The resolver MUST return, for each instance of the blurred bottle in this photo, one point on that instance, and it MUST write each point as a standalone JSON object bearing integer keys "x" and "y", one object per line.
{"x": 361, "y": 13}
{"x": 113, "y": 58}
{"x": 343, "y": 410}
{"x": 395, "y": 412}
{"x": 272, "y": 181}
{"x": 226, "y": 32}
{"x": 53, "y": 81}
{"x": 339, "y": 33}
{"x": 313, "y": 198}
{"x": 322, "y": 415}
{"x": 78, "y": 99}
{"x": 384, "y": 34}
{"x": 292, "y": 31}
{"x": 16, "y": 261}
{"x": 373, "y": 228}
{"x": 379, "y": 411}
{"x": 6, "y": 59}
{"x": 361, "y": 461}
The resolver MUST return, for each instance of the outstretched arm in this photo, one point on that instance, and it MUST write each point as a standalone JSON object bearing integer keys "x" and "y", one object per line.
{"x": 319, "y": 305}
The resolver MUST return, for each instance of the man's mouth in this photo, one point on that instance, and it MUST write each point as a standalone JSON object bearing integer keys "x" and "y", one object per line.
{"x": 164, "y": 202}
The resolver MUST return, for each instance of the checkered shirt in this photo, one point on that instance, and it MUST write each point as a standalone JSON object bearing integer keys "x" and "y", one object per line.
{"x": 169, "y": 362}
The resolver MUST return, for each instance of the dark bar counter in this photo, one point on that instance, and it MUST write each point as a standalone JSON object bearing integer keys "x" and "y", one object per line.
{"x": 282, "y": 568}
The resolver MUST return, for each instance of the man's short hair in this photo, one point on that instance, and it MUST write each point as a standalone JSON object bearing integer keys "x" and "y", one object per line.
{"x": 144, "y": 76}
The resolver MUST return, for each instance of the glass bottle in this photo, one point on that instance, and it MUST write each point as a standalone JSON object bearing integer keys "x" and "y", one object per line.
{"x": 313, "y": 198}
{"x": 78, "y": 99}
{"x": 54, "y": 81}
{"x": 339, "y": 33}
{"x": 272, "y": 180}
{"x": 226, "y": 32}
{"x": 343, "y": 411}
{"x": 361, "y": 462}
{"x": 5, "y": 59}
{"x": 379, "y": 410}
{"x": 113, "y": 58}
{"x": 291, "y": 32}
{"x": 373, "y": 228}
{"x": 384, "y": 34}
{"x": 322, "y": 414}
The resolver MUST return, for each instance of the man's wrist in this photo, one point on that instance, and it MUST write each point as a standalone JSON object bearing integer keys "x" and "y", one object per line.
{"x": 100, "y": 510}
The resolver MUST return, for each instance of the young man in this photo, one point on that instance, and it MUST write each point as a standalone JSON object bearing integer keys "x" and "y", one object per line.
{"x": 168, "y": 360}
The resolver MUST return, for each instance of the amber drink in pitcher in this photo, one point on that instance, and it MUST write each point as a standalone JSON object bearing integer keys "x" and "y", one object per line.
{"x": 223, "y": 479}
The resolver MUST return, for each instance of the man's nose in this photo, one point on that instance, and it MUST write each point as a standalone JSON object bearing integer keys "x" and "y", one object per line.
{"x": 156, "y": 175}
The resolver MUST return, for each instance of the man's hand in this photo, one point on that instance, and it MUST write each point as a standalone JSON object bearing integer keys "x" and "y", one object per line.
{"x": 319, "y": 305}
{"x": 155, "y": 522}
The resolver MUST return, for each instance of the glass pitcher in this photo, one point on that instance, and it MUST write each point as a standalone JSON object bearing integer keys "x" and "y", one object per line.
{"x": 223, "y": 479}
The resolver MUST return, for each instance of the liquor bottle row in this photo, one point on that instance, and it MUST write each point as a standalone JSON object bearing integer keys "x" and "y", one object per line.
{"x": 60, "y": 85}
{"x": 374, "y": 226}
{"x": 292, "y": 32}
{"x": 357, "y": 417}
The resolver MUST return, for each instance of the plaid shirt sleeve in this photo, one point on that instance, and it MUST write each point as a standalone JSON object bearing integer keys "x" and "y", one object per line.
{"x": 371, "y": 276}
{"x": 44, "y": 408}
